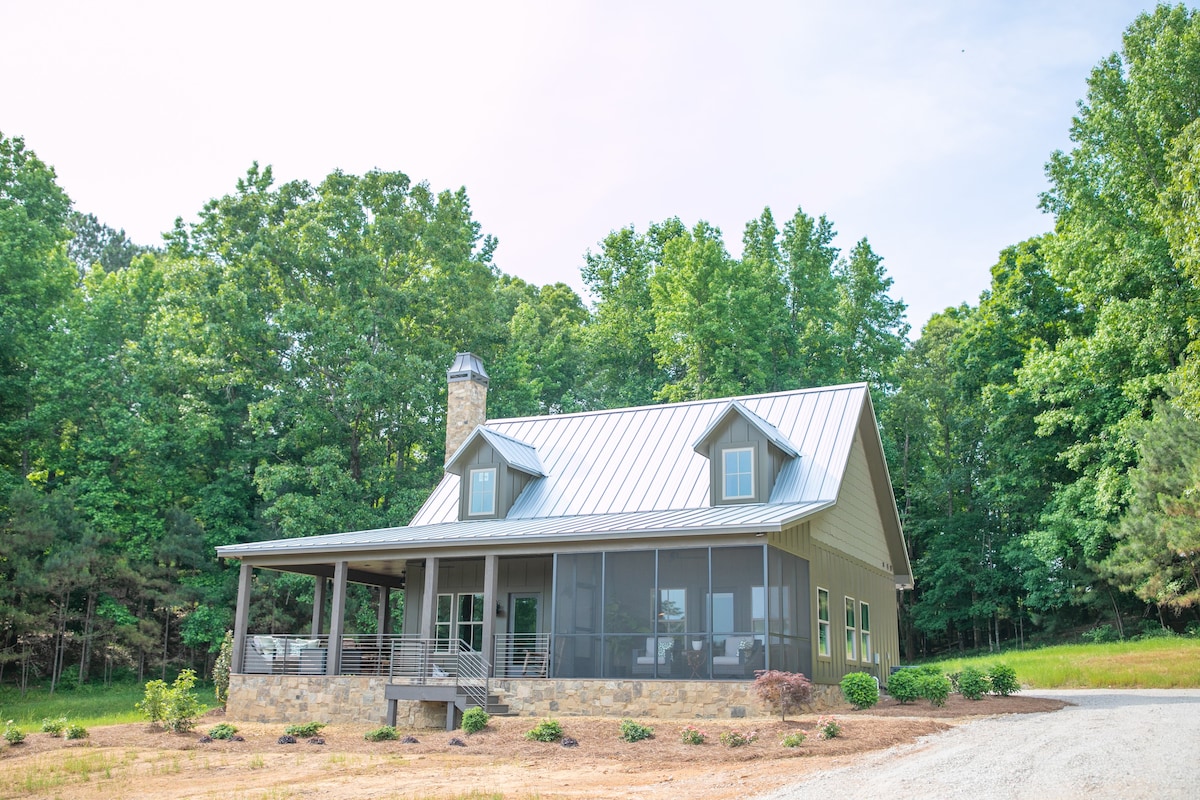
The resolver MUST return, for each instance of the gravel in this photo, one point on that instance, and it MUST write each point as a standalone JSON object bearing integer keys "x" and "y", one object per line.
{"x": 1118, "y": 743}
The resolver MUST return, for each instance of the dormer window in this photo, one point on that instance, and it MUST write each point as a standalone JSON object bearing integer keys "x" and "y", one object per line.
{"x": 483, "y": 492}
{"x": 738, "y": 473}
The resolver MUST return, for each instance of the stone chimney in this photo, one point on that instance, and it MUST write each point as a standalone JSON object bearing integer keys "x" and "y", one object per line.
{"x": 466, "y": 400}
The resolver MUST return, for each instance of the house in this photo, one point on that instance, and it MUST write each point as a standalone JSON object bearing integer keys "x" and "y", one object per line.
{"x": 617, "y": 562}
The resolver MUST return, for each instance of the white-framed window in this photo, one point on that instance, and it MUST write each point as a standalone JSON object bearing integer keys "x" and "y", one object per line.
{"x": 851, "y": 631}
{"x": 482, "y": 501}
{"x": 738, "y": 468}
{"x": 823, "y": 646}
{"x": 459, "y": 620}
{"x": 864, "y": 629}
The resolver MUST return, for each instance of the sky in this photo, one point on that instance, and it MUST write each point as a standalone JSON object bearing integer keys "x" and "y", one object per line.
{"x": 921, "y": 126}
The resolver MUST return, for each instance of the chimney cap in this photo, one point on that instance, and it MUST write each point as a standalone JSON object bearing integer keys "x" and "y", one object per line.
{"x": 467, "y": 367}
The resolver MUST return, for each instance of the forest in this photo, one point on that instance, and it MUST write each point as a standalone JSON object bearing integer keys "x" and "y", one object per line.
{"x": 275, "y": 367}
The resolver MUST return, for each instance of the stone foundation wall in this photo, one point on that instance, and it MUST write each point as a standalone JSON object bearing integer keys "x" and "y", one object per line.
{"x": 353, "y": 699}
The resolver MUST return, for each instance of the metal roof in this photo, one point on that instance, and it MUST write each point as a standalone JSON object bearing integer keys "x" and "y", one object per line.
{"x": 628, "y": 472}
{"x": 717, "y": 519}
{"x": 641, "y": 459}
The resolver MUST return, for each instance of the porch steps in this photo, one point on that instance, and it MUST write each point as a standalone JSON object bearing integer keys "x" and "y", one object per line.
{"x": 456, "y": 701}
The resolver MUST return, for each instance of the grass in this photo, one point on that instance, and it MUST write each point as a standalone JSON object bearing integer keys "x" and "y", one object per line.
{"x": 1159, "y": 663}
{"x": 88, "y": 705}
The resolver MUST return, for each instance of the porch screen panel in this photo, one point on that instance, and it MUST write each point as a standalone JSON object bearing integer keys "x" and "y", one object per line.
{"x": 630, "y": 607}
{"x": 738, "y": 606}
{"x": 578, "y": 606}
{"x": 682, "y": 612}
{"x": 790, "y": 625}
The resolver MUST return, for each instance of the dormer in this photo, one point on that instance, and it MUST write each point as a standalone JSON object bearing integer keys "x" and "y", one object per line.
{"x": 745, "y": 455}
{"x": 493, "y": 470}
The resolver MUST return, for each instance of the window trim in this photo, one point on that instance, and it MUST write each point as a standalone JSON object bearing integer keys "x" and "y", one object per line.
{"x": 823, "y": 625}
{"x": 851, "y": 630}
{"x": 864, "y": 631}
{"x": 725, "y": 453}
{"x": 471, "y": 473}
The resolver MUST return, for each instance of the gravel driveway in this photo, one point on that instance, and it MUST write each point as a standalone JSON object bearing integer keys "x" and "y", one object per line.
{"x": 1118, "y": 743}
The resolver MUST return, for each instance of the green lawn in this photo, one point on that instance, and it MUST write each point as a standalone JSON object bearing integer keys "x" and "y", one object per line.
{"x": 88, "y": 706}
{"x": 1165, "y": 663}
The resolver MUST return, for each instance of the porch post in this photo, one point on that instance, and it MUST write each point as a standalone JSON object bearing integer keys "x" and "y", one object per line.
{"x": 337, "y": 618}
{"x": 429, "y": 598}
{"x": 318, "y": 615}
{"x": 384, "y": 615}
{"x": 241, "y": 618}
{"x": 491, "y": 577}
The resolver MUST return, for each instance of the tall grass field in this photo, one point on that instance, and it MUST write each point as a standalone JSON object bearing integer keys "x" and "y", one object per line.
{"x": 1162, "y": 663}
{"x": 87, "y": 705}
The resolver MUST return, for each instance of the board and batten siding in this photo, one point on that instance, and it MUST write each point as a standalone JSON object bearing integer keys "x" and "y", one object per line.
{"x": 854, "y": 525}
{"x": 515, "y": 574}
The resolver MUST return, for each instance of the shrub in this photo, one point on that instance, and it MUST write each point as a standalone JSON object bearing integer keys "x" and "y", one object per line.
{"x": 860, "y": 689}
{"x": 934, "y": 687}
{"x": 548, "y": 730}
{"x": 384, "y": 733}
{"x": 692, "y": 735}
{"x": 782, "y": 691}
{"x": 794, "y": 739}
{"x": 305, "y": 731}
{"x": 829, "y": 727}
{"x": 474, "y": 720}
{"x": 221, "y": 668}
{"x": 1003, "y": 679}
{"x": 1101, "y": 634}
{"x": 222, "y": 730}
{"x": 972, "y": 683}
{"x": 174, "y": 706}
{"x": 634, "y": 732}
{"x": 902, "y": 685}
{"x": 54, "y": 727}
{"x": 13, "y": 735}
{"x": 737, "y": 738}
{"x": 75, "y": 731}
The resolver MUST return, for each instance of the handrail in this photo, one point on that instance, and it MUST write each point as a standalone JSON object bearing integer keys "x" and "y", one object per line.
{"x": 441, "y": 661}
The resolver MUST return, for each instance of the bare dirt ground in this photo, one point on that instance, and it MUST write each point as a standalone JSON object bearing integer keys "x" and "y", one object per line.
{"x": 137, "y": 761}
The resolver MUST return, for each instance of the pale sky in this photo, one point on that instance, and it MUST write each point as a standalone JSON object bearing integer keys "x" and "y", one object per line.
{"x": 923, "y": 126}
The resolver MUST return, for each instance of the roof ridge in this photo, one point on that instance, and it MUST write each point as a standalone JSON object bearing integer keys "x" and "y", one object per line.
{"x": 681, "y": 404}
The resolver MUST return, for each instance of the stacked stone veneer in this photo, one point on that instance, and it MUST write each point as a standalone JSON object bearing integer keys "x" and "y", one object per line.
{"x": 353, "y": 699}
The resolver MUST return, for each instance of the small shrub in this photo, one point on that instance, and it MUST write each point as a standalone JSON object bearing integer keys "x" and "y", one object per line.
{"x": 1101, "y": 634}
{"x": 692, "y": 735}
{"x": 13, "y": 735}
{"x": 223, "y": 730}
{"x": 384, "y": 733}
{"x": 794, "y": 739}
{"x": 934, "y": 688}
{"x": 1003, "y": 679}
{"x": 75, "y": 731}
{"x": 174, "y": 706}
{"x": 902, "y": 685}
{"x": 860, "y": 690}
{"x": 474, "y": 720}
{"x": 829, "y": 727}
{"x": 634, "y": 732}
{"x": 972, "y": 683}
{"x": 305, "y": 731}
{"x": 54, "y": 727}
{"x": 221, "y": 669}
{"x": 548, "y": 730}
{"x": 737, "y": 738}
{"x": 782, "y": 691}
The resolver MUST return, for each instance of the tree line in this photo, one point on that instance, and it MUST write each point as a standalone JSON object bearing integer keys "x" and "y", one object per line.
{"x": 276, "y": 368}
